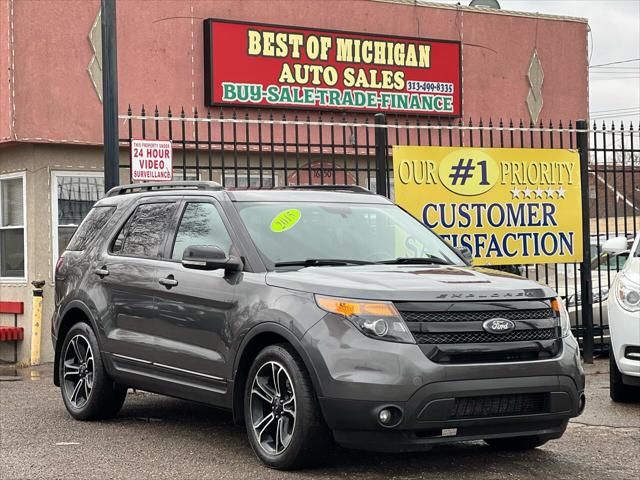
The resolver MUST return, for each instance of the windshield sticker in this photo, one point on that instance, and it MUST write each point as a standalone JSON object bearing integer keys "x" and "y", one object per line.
{"x": 285, "y": 220}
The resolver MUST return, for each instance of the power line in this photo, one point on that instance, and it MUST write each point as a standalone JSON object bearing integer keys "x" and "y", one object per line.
{"x": 616, "y": 78}
{"x": 636, "y": 67}
{"x": 621, "y": 74}
{"x": 615, "y": 115}
{"x": 619, "y": 70}
{"x": 611, "y": 110}
{"x": 615, "y": 63}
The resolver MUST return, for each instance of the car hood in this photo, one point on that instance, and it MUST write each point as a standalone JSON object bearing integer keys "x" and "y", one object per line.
{"x": 410, "y": 283}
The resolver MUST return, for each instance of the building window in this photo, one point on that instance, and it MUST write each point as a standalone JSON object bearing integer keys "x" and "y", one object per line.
{"x": 12, "y": 222}
{"x": 254, "y": 180}
{"x": 74, "y": 195}
{"x": 191, "y": 175}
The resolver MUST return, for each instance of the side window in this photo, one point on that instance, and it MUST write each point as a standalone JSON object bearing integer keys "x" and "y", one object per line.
{"x": 90, "y": 226}
{"x": 201, "y": 224}
{"x": 143, "y": 234}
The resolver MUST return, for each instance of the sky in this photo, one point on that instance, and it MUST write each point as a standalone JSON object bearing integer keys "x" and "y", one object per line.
{"x": 614, "y": 90}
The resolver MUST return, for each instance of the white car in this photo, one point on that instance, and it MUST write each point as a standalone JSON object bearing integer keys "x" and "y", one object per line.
{"x": 624, "y": 323}
{"x": 565, "y": 280}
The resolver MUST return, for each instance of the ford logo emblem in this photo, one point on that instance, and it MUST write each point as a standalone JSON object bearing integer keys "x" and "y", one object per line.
{"x": 498, "y": 325}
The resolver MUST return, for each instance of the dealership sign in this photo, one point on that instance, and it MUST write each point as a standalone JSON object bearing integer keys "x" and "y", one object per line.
{"x": 151, "y": 160}
{"x": 277, "y": 66}
{"x": 508, "y": 206}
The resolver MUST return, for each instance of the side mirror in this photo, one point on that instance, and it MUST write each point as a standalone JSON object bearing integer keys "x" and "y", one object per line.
{"x": 615, "y": 246}
{"x": 466, "y": 254}
{"x": 210, "y": 257}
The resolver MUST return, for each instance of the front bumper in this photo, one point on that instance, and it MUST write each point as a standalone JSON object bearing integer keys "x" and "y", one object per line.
{"x": 359, "y": 377}
{"x": 429, "y": 416}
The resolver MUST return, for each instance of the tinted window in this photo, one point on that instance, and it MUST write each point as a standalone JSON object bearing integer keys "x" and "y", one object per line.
{"x": 201, "y": 224}
{"x": 92, "y": 224}
{"x": 145, "y": 231}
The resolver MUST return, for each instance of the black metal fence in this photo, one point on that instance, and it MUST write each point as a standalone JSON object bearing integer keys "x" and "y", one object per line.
{"x": 268, "y": 149}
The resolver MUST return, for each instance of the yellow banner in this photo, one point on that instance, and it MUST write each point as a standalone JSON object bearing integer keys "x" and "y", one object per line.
{"x": 507, "y": 205}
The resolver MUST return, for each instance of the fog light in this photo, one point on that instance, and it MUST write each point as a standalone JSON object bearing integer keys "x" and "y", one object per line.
{"x": 384, "y": 416}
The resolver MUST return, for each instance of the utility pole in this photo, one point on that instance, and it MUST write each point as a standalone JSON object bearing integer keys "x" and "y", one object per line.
{"x": 110, "y": 94}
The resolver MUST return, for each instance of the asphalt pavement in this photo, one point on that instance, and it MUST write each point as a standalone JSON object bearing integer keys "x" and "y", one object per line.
{"x": 155, "y": 437}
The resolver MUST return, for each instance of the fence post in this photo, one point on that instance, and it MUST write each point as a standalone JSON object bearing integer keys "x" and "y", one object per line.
{"x": 381, "y": 154}
{"x": 586, "y": 285}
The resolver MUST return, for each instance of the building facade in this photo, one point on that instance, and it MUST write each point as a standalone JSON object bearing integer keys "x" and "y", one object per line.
{"x": 510, "y": 65}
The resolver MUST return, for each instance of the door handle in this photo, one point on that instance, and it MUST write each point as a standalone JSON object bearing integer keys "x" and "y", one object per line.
{"x": 101, "y": 272}
{"x": 169, "y": 282}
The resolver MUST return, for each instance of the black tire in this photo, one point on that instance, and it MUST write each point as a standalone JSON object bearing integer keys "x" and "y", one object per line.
{"x": 618, "y": 391}
{"x": 307, "y": 436}
{"x": 97, "y": 396}
{"x": 518, "y": 443}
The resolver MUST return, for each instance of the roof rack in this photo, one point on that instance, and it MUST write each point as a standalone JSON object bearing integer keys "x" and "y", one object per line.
{"x": 159, "y": 186}
{"x": 339, "y": 188}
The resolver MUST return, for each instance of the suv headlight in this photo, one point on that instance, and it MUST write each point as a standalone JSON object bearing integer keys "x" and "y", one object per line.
{"x": 379, "y": 320}
{"x": 627, "y": 293}
{"x": 561, "y": 311}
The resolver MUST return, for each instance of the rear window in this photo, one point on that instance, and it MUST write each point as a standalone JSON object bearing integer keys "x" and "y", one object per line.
{"x": 90, "y": 227}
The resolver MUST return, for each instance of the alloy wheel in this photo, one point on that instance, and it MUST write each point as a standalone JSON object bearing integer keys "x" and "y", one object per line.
{"x": 78, "y": 371}
{"x": 273, "y": 408}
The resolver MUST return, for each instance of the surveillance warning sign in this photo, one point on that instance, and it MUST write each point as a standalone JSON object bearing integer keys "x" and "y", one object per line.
{"x": 151, "y": 160}
{"x": 508, "y": 206}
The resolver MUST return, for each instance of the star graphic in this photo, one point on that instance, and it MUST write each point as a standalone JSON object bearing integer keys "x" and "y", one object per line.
{"x": 515, "y": 193}
{"x": 538, "y": 191}
{"x": 549, "y": 192}
{"x": 527, "y": 192}
{"x": 561, "y": 192}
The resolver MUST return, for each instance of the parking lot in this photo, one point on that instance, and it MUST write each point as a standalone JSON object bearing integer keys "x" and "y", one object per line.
{"x": 158, "y": 437}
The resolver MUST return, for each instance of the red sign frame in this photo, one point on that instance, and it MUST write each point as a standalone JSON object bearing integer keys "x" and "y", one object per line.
{"x": 275, "y": 66}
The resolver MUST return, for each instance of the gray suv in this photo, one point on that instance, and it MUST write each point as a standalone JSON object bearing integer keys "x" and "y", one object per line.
{"x": 313, "y": 314}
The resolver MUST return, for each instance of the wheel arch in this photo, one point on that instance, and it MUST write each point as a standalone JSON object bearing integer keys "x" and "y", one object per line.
{"x": 257, "y": 339}
{"x": 75, "y": 312}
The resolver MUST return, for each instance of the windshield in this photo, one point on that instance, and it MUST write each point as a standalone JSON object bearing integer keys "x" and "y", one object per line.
{"x": 296, "y": 232}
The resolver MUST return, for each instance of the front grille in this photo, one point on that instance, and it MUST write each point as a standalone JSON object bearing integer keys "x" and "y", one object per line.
{"x": 478, "y": 316}
{"x": 485, "y": 337}
{"x": 451, "y": 333}
{"x": 499, "y": 406}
